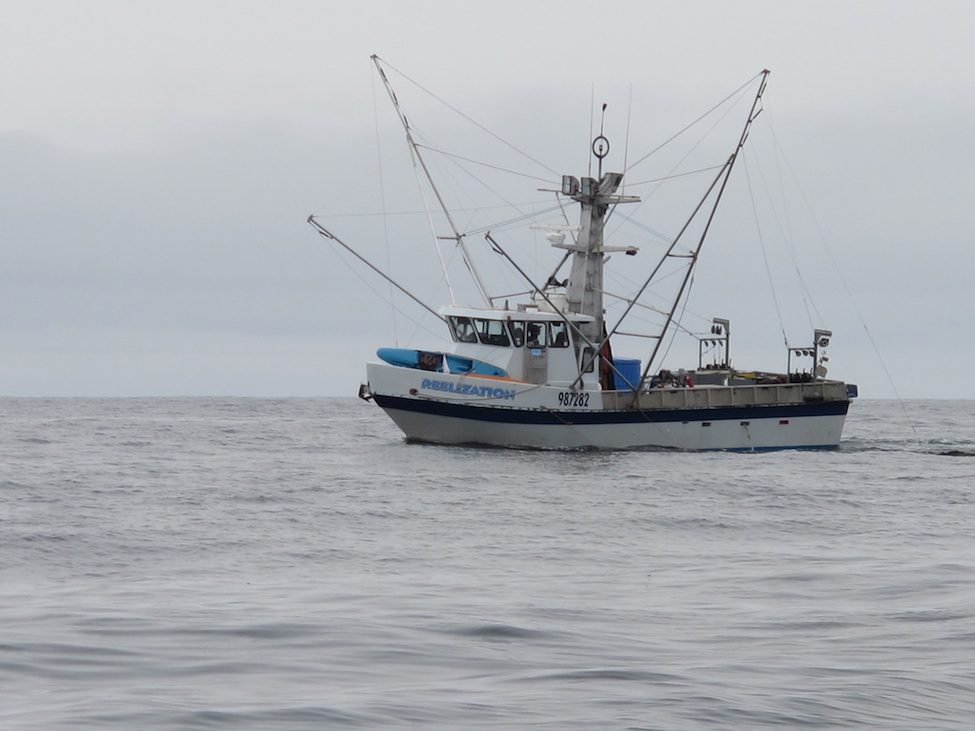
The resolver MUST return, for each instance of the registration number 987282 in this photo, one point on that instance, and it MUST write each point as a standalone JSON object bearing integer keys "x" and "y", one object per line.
{"x": 569, "y": 398}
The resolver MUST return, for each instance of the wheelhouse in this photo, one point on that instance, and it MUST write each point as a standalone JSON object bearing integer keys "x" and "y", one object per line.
{"x": 507, "y": 329}
{"x": 531, "y": 344}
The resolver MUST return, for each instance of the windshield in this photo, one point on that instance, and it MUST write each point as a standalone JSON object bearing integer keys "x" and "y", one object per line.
{"x": 462, "y": 330}
{"x": 491, "y": 332}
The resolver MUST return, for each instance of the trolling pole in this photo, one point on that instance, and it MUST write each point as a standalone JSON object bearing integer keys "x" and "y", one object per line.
{"x": 325, "y": 233}
{"x": 669, "y": 253}
{"x": 726, "y": 173}
{"x": 458, "y": 237}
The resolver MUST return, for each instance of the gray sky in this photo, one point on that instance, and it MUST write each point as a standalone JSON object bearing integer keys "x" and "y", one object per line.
{"x": 157, "y": 162}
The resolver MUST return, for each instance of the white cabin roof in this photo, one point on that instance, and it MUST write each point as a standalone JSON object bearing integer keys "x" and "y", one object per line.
{"x": 531, "y": 314}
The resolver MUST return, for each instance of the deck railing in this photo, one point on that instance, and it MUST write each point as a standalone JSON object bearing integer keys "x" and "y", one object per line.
{"x": 703, "y": 397}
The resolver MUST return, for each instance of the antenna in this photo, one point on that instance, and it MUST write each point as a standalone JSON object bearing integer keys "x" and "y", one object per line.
{"x": 592, "y": 109}
{"x": 600, "y": 145}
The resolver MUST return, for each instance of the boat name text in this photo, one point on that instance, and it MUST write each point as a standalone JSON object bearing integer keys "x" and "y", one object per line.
{"x": 467, "y": 389}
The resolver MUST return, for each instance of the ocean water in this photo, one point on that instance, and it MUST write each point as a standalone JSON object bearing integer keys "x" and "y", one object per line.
{"x": 293, "y": 564}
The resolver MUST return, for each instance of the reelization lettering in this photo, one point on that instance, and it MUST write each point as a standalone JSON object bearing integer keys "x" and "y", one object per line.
{"x": 467, "y": 389}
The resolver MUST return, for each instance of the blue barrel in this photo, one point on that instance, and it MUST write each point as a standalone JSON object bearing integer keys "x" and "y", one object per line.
{"x": 627, "y": 373}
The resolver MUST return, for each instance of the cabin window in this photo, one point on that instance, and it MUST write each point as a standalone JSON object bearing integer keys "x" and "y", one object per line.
{"x": 588, "y": 363}
{"x": 517, "y": 329}
{"x": 536, "y": 335}
{"x": 491, "y": 332}
{"x": 462, "y": 329}
{"x": 558, "y": 335}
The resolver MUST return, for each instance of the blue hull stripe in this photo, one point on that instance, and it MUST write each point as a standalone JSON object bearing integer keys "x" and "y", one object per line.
{"x": 510, "y": 415}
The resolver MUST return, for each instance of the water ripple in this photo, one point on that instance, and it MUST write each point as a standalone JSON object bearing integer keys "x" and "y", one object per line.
{"x": 293, "y": 564}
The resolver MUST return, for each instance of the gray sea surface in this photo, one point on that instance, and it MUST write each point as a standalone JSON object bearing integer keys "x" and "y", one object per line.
{"x": 225, "y": 563}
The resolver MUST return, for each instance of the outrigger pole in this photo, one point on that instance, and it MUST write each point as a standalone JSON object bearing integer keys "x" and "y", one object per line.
{"x": 325, "y": 233}
{"x": 726, "y": 173}
{"x": 633, "y": 302}
{"x": 458, "y": 237}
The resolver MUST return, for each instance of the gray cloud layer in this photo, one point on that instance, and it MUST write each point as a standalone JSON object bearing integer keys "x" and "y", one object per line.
{"x": 159, "y": 161}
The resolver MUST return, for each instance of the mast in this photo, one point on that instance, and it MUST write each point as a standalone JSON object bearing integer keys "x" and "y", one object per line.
{"x": 457, "y": 236}
{"x": 584, "y": 293}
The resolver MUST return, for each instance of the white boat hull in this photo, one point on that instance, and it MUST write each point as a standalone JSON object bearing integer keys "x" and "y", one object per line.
{"x": 446, "y": 409}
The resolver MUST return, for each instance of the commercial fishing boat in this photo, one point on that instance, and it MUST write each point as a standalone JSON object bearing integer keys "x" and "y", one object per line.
{"x": 541, "y": 373}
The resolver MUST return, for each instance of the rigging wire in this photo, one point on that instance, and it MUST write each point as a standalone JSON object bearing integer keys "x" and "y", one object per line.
{"x": 432, "y": 283}
{"x": 785, "y": 207}
{"x": 635, "y": 301}
{"x": 761, "y": 241}
{"x": 612, "y": 274}
{"x": 572, "y": 230}
{"x": 669, "y": 254}
{"x": 419, "y": 323}
{"x": 684, "y": 129}
{"x": 676, "y": 175}
{"x": 546, "y": 181}
{"x": 453, "y": 159}
{"x": 416, "y": 325}
{"x": 645, "y": 320}
{"x": 419, "y": 212}
{"x": 673, "y": 336}
{"x": 633, "y": 210}
{"x": 419, "y": 161}
{"x": 824, "y": 240}
{"x": 465, "y": 116}
{"x": 455, "y": 162}
{"x": 592, "y": 123}
{"x": 666, "y": 239}
{"x": 382, "y": 199}
{"x": 414, "y": 157}
{"x": 723, "y": 177}
{"x": 500, "y": 225}
{"x": 626, "y": 145}
{"x": 806, "y": 294}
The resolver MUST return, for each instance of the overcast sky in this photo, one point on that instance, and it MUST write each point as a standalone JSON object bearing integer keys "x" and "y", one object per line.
{"x": 158, "y": 161}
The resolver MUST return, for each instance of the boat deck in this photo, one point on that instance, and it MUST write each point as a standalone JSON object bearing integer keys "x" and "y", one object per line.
{"x": 702, "y": 397}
